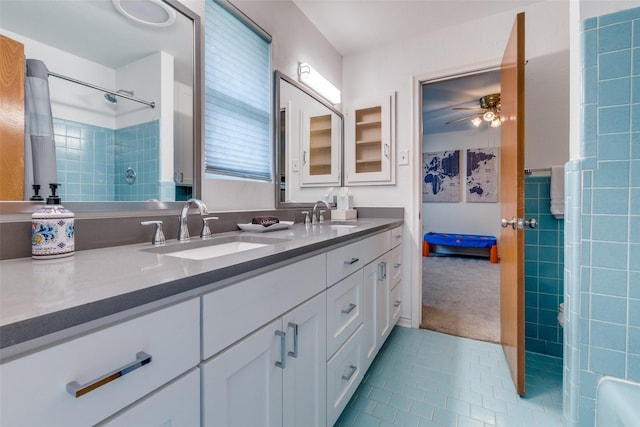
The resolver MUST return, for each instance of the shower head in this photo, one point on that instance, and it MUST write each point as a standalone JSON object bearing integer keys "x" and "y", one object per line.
{"x": 112, "y": 98}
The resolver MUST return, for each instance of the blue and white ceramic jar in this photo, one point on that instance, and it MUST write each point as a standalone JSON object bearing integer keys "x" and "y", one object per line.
{"x": 52, "y": 230}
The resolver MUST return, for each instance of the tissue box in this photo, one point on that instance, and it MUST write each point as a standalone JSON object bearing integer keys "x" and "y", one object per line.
{"x": 339, "y": 215}
{"x": 345, "y": 202}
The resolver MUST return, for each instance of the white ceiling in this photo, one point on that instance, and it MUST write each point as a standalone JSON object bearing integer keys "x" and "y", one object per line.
{"x": 356, "y": 25}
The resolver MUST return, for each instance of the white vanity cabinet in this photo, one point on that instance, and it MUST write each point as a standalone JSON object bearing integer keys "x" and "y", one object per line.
{"x": 87, "y": 379}
{"x": 370, "y": 142}
{"x": 275, "y": 376}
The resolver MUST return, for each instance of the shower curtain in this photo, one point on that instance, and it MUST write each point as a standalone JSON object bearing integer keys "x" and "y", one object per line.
{"x": 39, "y": 143}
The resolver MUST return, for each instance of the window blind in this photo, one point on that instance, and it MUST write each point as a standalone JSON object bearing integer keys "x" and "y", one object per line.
{"x": 237, "y": 110}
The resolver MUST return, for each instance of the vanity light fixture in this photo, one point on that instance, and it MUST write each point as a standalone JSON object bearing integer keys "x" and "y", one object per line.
{"x": 316, "y": 81}
{"x": 149, "y": 12}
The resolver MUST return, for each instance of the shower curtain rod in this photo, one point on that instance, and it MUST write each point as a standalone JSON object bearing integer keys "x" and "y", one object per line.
{"x": 142, "y": 101}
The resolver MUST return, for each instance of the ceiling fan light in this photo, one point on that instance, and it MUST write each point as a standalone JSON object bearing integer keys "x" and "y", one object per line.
{"x": 476, "y": 121}
{"x": 495, "y": 123}
{"x": 488, "y": 116}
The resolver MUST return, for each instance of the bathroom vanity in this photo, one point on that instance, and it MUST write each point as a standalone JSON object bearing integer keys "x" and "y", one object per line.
{"x": 279, "y": 330}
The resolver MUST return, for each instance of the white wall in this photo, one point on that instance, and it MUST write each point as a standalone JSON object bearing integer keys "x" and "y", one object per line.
{"x": 461, "y": 217}
{"x": 466, "y": 47}
{"x": 295, "y": 39}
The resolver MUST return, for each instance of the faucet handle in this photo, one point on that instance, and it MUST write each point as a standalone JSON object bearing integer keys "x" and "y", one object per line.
{"x": 306, "y": 217}
{"x": 158, "y": 237}
{"x": 206, "y": 231}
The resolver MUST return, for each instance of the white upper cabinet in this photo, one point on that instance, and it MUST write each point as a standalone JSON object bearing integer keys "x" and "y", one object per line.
{"x": 321, "y": 137}
{"x": 370, "y": 143}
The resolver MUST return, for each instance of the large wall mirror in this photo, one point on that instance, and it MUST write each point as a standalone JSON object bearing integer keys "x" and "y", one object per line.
{"x": 309, "y": 144}
{"x": 113, "y": 152}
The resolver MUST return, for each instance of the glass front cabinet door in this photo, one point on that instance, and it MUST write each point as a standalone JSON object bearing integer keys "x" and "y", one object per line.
{"x": 370, "y": 143}
{"x": 321, "y": 150}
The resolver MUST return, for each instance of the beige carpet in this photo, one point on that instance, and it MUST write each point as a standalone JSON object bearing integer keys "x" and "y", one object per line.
{"x": 461, "y": 296}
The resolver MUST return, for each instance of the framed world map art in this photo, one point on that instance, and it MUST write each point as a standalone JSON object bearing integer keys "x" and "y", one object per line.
{"x": 441, "y": 176}
{"x": 482, "y": 175}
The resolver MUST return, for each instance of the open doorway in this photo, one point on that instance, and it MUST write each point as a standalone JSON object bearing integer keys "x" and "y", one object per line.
{"x": 460, "y": 147}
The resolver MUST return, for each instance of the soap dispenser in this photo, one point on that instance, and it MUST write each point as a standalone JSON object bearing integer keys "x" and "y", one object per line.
{"x": 52, "y": 229}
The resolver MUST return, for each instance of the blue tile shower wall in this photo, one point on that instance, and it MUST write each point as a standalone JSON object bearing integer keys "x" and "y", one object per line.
{"x": 85, "y": 158}
{"x": 602, "y": 327}
{"x": 92, "y": 161}
{"x": 544, "y": 266}
{"x": 137, "y": 147}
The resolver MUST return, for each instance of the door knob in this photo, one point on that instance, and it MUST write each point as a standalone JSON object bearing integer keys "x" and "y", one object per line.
{"x": 504, "y": 222}
{"x": 531, "y": 222}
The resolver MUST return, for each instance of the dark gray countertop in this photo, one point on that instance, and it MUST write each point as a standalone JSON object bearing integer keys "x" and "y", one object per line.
{"x": 39, "y": 298}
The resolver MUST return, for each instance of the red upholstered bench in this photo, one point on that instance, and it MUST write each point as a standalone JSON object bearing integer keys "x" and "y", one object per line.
{"x": 453, "y": 241}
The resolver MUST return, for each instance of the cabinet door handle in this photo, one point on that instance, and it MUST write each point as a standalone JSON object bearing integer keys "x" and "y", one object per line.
{"x": 282, "y": 363}
{"x": 352, "y": 261}
{"x": 294, "y": 326}
{"x": 353, "y": 370}
{"x": 77, "y": 390}
{"x": 397, "y": 304}
{"x": 349, "y": 309}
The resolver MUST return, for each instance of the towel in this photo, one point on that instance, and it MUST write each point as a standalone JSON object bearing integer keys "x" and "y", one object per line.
{"x": 557, "y": 191}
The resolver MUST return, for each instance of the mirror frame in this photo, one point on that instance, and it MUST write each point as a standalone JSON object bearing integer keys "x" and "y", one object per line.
{"x": 127, "y": 208}
{"x": 278, "y": 76}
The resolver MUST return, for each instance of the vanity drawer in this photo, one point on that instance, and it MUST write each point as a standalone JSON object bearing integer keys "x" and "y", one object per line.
{"x": 34, "y": 387}
{"x": 344, "y": 374}
{"x": 396, "y": 266}
{"x": 396, "y": 236}
{"x": 345, "y": 304}
{"x": 395, "y": 303}
{"x": 233, "y": 312}
{"x": 345, "y": 260}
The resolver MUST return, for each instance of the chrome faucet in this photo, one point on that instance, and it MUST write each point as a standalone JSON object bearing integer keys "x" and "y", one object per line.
{"x": 315, "y": 217}
{"x": 183, "y": 227}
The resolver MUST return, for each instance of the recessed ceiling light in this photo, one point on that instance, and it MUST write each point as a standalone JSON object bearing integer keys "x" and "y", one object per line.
{"x": 149, "y": 12}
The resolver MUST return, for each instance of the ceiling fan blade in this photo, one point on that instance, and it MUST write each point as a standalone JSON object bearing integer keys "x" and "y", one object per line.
{"x": 469, "y": 108}
{"x": 460, "y": 119}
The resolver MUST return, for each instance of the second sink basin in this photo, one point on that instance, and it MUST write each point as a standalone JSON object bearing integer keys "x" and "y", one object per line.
{"x": 215, "y": 247}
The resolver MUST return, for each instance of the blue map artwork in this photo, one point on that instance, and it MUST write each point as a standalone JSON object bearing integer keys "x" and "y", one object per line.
{"x": 441, "y": 176}
{"x": 482, "y": 175}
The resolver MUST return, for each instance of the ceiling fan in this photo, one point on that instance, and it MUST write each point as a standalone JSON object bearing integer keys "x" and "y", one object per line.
{"x": 489, "y": 111}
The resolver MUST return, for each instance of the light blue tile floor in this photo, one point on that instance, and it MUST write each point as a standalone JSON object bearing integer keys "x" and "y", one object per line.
{"x": 422, "y": 378}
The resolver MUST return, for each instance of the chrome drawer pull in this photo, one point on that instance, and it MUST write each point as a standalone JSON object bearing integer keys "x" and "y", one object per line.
{"x": 350, "y": 309}
{"x": 282, "y": 363}
{"x": 294, "y": 353}
{"x": 397, "y": 304}
{"x": 352, "y": 261}
{"x": 77, "y": 390}
{"x": 353, "y": 371}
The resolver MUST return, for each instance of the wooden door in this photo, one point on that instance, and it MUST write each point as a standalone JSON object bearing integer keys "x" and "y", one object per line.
{"x": 12, "y": 123}
{"x": 512, "y": 204}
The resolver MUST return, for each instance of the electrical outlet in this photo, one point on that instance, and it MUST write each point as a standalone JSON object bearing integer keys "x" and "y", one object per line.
{"x": 403, "y": 157}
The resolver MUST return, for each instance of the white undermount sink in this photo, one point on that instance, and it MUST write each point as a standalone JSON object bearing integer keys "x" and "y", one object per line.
{"x": 344, "y": 224}
{"x": 205, "y": 249}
